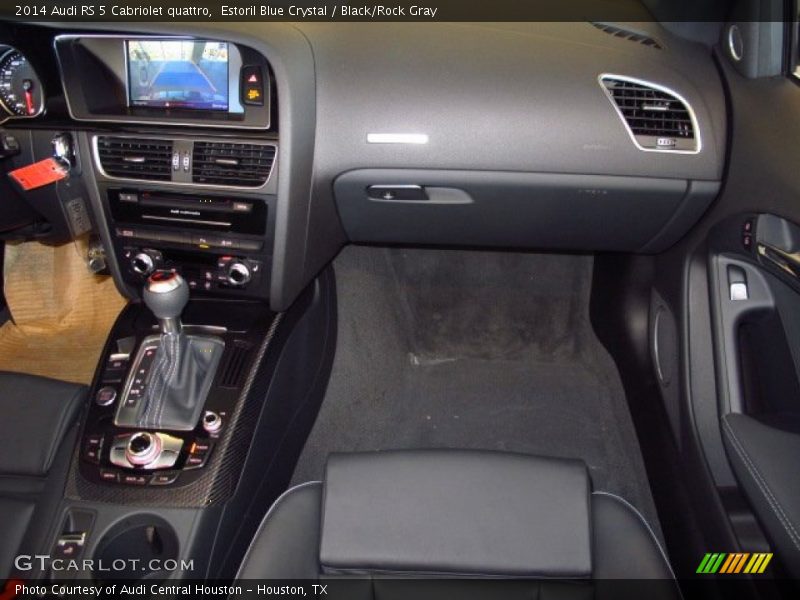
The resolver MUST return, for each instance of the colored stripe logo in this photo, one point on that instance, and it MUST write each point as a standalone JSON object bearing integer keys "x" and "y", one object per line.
{"x": 736, "y": 562}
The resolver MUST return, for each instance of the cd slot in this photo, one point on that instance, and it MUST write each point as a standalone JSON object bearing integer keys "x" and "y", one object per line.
{"x": 219, "y": 205}
{"x": 222, "y": 215}
{"x": 186, "y": 219}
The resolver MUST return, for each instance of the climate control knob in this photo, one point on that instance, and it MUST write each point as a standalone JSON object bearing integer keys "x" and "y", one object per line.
{"x": 143, "y": 264}
{"x": 239, "y": 273}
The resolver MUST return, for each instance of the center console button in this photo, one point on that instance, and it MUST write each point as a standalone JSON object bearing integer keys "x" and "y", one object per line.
{"x": 131, "y": 197}
{"x": 92, "y": 454}
{"x": 116, "y": 364}
{"x": 205, "y": 240}
{"x": 115, "y": 369}
{"x": 132, "y": 479}
{"x": 109, "y": 475}
{"x": 199, "y": 452}
{"x": 127, "y": 232}
{"x": 92, "y": 448}
{"x": 252, "y": 86}
{"x": 106, "y": 396}
{"x": 164, "y": 478}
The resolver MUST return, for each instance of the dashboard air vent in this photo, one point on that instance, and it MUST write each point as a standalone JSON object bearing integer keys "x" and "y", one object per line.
{"x": 135, "y": 158}
{"x": 656, "y": 118}
{"x": 225, "y": 163}
{"x": 627, "y": 34}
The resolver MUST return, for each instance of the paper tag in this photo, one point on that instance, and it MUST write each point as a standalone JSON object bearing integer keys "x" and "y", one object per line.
{"x": 39, "y": 174}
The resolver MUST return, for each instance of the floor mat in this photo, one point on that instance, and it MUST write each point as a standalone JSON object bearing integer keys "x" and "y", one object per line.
{"x": 486, "y": 350}
{"x": 61, "y": 313}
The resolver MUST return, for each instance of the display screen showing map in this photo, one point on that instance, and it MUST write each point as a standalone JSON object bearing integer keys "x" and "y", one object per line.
{"x": 187, "y": 74}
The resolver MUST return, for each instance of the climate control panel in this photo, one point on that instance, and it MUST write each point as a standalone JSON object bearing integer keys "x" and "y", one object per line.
{"x": 208, "y": 274}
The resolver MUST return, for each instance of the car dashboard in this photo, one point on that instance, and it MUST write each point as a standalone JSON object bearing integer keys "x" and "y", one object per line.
{"x": 298, "y": 139}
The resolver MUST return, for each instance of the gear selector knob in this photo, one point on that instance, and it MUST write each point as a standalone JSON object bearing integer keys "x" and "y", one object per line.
{"x": 166, "y": 294}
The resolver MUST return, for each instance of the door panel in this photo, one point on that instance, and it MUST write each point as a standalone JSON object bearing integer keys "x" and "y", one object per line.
{"x": 756, "y": 306}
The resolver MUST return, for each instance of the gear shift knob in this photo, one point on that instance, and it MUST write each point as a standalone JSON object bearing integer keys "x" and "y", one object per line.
{"x": 166, "y": 294}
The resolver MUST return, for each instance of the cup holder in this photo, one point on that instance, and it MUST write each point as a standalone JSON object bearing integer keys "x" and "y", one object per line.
{"x": 137, "y": 548}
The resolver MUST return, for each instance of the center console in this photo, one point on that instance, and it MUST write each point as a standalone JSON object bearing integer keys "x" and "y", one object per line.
{"x": 203, "y": 396}
{"x": 131, "y": 440}
{"x": 202, "y": 478}
{"x": 188, "y": 212}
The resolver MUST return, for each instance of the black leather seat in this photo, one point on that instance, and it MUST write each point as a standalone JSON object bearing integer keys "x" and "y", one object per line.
{"x": 448, "y": 513}
{"x": 37, "y": 432}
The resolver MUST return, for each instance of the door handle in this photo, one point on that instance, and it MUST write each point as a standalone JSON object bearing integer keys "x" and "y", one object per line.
{"x": 788, "y": 262}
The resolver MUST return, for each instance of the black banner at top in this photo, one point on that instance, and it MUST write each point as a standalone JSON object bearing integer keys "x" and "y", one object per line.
{"x": 369, "y": 10}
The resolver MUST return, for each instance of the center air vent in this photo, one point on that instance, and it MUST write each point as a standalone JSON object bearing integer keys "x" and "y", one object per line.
{"x": 656, "y": 117}
{"x": 135, "y": 158}
{"x": 225, "y": 163}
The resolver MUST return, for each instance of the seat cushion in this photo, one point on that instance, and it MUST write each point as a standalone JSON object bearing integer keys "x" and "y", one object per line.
{"x": 15, "y": 516}
{"x": 37, "y": 416}
{"x": 456, "y": 512}
{"x": 37, "y": 412}
{"x": 288, "y": 543}
{"x": 623, "y": 543}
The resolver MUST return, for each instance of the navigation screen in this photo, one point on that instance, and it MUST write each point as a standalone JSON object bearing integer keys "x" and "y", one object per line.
{"x": 178, "y": 74}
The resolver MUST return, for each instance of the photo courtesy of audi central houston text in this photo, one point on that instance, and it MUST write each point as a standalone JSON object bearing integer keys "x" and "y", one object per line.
{"x": 432, "y": 300}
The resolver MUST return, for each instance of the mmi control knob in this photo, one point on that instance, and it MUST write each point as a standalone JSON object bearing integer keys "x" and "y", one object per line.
{"x": 239, "y": 273}
{"x": 143, "y": 448}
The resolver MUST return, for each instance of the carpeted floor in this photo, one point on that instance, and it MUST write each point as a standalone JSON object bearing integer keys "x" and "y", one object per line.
{"x": 462, "y": 349}
{"x": 60, "y": 312}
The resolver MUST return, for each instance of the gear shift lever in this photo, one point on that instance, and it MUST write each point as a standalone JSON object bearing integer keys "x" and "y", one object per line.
{"x": 174, "y": 385}
{"x": 166, "y": 295}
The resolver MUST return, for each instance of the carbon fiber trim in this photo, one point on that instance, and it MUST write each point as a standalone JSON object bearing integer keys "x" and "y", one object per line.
{"x": 218, "y": 480}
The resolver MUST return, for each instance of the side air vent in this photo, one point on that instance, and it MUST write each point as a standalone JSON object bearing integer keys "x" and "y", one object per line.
{"x": 135, "y": 158}
{"x": 225, "y": 163}
{"x": 627, "y": 34}
{"x": 656, "y": 118}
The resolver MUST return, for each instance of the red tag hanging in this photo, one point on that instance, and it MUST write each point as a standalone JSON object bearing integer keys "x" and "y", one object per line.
{"x": 39, "y": 174}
